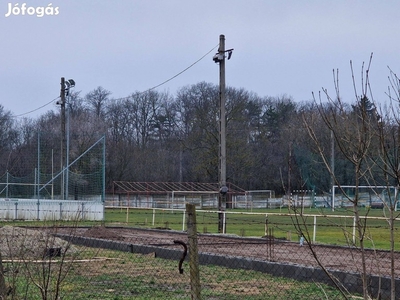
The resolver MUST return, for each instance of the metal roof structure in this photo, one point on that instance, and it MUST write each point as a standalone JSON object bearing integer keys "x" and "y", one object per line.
{"x": 128, "y": 187}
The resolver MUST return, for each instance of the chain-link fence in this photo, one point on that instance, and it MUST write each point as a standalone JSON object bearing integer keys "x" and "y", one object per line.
{"x": 45, "y": 172}
{"x": 47, "y": 190}
{"x": 124, "y": 262}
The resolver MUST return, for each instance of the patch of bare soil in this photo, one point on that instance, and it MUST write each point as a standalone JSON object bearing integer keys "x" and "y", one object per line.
{"x": 334, "y": 257}
{"x": 18, "y": 243}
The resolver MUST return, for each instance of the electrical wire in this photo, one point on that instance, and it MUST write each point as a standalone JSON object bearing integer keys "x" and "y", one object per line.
{"x": 154, "y": 87}
{"x": 150, "y": 89}
{"x": 29, "y": 112}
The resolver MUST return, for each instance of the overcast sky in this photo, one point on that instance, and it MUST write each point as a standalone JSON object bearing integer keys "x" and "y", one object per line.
{"x": 280, "y": 47}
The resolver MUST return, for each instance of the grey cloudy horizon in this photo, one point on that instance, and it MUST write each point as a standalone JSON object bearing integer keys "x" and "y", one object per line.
{"x": 281, "y": 47}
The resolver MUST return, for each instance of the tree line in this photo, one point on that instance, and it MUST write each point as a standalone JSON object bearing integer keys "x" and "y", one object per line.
{"x": 156, "y": 136}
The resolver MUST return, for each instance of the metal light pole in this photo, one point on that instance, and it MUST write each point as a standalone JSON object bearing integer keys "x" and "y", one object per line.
{"x": 220, "y": 58}
{"x": 63, "y": 147}
{"x": 65, "y": 86}
{"x": 67, "y": 156}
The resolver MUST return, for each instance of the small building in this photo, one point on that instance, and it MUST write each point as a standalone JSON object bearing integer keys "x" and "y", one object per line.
{"x": 171, "y": 195}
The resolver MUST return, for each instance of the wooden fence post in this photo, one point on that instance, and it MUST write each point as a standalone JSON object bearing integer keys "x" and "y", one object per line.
{"x": 193, "y": 252}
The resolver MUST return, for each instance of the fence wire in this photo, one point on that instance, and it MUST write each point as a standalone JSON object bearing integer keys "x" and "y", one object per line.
{"x": 116, "y": 261}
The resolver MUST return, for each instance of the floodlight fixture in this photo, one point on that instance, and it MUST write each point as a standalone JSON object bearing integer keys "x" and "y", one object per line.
{"x": 70, "y": 83}
{"x": 218, "y": 57}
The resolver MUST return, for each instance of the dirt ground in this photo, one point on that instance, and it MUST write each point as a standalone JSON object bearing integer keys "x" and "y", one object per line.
{"x": 332, "y": 257}
{"x": 17, "y": 242}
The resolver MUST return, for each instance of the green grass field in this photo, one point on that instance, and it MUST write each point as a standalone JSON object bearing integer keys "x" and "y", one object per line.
{"x": 122, "y": 276}
{"x": 331, "y": 227}
{"x": 335, "y": 228}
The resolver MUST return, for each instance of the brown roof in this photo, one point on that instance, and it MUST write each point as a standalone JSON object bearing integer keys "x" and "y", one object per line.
{"x": 126, "y": 187}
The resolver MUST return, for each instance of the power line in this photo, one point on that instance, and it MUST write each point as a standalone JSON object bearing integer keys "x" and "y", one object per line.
{"x": 20, "y": 115}
{"x": 164, "y": 82}
{"x": 181, "y": 71}
{"x": 150, "y": 89}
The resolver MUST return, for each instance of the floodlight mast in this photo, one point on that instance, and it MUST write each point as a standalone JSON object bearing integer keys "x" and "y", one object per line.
{"x": 63, "y": 140}
{"x": 65, "y": 88}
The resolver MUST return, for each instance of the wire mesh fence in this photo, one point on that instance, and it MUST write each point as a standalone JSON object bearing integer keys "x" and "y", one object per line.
{"x": 43, "y": 191}
{"x": 80, "y": 175}
{"x": 117, "y": 261}
{"x": 95, "y": 269}
{"x": 124, "y": 263}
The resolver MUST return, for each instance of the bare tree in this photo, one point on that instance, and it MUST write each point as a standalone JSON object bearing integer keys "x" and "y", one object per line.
{"x": 197, "y": 115}
{"x": 97, "y": 100}
{"x": 9, "y": 137}
{"x": 386, "y": 161}
{"x": 354, "y": 136}
{"x": 76, "y": 104}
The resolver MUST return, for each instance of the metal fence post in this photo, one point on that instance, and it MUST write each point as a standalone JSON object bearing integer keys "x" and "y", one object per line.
{"x": 183, "y": 221}
{"x": 16, "y": 211}
{"x": 193, "y": 252}
{"x": 314, "y": 229}
{"x": 38, "y": 209}
{"x": 354, "y": 229}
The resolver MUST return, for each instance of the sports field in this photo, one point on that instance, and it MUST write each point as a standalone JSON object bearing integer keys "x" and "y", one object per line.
{"x": 320, "y": 226}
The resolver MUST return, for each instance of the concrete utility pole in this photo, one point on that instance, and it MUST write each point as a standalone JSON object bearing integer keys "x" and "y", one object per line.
{"x": 222, "y": 135}
{"x": 63, "y": 143}
{"x": 220, "y": 58}
{"x": 65, "y": 88}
